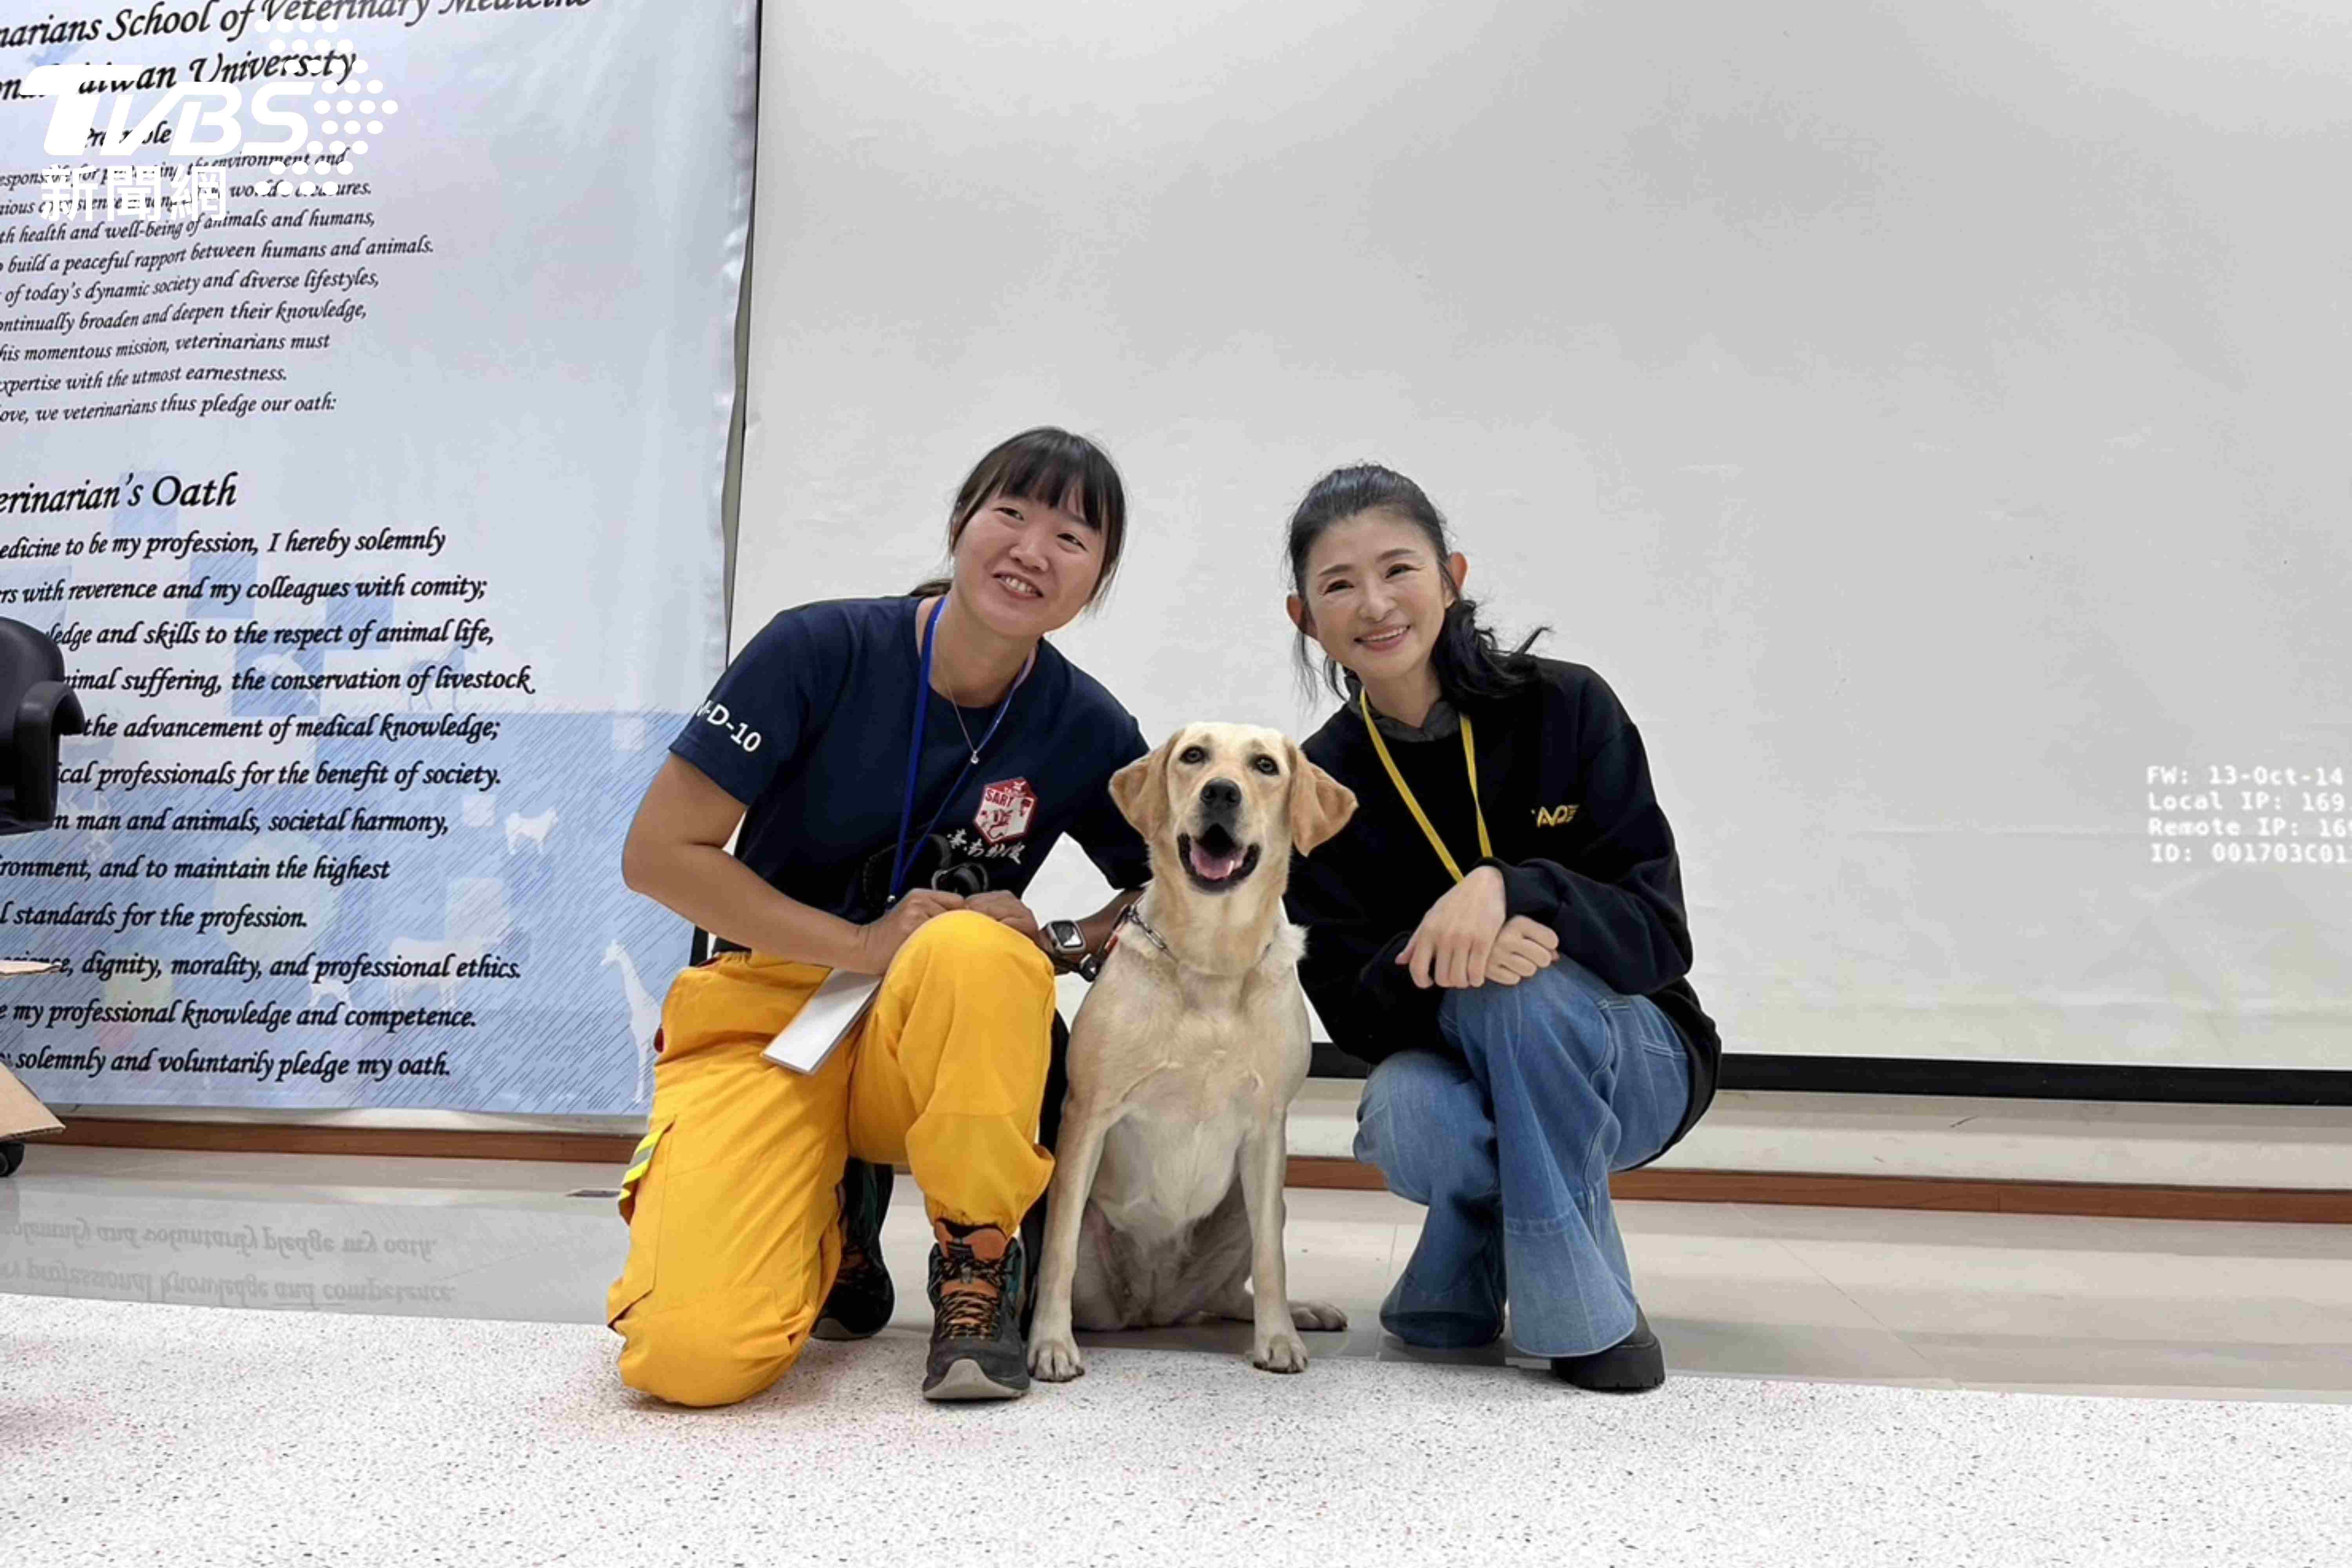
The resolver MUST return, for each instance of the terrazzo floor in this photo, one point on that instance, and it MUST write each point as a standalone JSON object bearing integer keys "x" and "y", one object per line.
{"x": 421, "y": 1378}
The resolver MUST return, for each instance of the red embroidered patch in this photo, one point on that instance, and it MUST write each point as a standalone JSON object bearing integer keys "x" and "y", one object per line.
{"x": 1005, "y": 807}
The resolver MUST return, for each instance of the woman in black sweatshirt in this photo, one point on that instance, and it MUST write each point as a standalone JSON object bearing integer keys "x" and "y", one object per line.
{"x": 1500, "y": 930}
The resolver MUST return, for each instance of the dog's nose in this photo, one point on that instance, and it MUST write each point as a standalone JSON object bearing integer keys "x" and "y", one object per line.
{"x": 1220, "y": 795}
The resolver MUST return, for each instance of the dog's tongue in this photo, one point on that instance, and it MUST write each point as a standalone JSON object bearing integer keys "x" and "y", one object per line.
{"x": 1213, "y": 868}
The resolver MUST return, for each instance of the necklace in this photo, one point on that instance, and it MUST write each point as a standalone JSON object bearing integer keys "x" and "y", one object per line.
{"x": 970, "y": 745}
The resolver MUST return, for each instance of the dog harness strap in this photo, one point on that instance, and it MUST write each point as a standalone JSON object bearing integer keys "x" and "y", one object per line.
{"x": 1469, "y": 760}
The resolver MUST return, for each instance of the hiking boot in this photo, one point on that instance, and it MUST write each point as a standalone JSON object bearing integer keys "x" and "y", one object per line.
{"x": 1634, "y": 1365}
{"x": 977, "y": 1348}
{"x": 862, "y": 1297}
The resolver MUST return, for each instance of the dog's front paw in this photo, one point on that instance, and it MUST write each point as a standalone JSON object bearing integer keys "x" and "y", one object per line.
{"x": 1319, "y": 1316}
{"x": 1055, "y": 1359}
{"x": 1280, "y": 1353}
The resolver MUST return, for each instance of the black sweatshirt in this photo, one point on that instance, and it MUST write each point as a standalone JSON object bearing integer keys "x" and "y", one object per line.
{"x": 1578, "y": 836}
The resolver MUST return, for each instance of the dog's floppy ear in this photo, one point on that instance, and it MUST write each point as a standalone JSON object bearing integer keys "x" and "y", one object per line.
{"x": 1319, "y": 803}
{"x": 1140, "y": 790}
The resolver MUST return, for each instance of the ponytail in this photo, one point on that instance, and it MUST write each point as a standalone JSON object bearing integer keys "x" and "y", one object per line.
{"x": 1470, "y": 662}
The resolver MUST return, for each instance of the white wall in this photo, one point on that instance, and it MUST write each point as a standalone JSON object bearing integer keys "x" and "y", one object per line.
{"x": 1929, "y": 418}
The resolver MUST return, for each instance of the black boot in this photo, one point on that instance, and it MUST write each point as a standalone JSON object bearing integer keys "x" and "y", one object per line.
{"x": 978, "y": 1350}
{"x": 861, "y": 1298}
{"x": 1634, "y": 1365}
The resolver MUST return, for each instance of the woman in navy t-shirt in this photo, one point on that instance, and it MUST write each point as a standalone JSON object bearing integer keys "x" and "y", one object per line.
{"x": 898, "y": 769}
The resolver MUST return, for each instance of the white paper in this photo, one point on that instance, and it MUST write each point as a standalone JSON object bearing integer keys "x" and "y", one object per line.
{"x": 824, "y": 1021}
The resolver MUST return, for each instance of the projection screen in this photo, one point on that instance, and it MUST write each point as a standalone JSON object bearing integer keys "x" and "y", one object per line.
{"x": 1930, "y": 420}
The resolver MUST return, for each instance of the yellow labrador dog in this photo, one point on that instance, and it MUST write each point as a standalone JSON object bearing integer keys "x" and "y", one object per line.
{"x": 1167, "y": 1195}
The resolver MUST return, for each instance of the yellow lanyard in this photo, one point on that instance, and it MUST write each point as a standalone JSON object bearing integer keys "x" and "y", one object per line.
{"x": 1469, "y": 760}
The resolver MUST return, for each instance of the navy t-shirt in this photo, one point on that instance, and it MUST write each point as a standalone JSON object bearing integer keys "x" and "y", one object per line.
{"x": 809, "y": 729}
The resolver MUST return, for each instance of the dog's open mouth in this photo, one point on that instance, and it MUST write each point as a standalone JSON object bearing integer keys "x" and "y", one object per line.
{"x": 1216, "y": 861}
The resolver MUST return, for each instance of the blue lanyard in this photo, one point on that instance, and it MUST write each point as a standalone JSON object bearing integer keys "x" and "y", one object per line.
{"x": 901, "y": 856}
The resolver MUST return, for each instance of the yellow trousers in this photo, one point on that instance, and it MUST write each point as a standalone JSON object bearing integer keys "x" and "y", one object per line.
{"x": 734, "y": 1197}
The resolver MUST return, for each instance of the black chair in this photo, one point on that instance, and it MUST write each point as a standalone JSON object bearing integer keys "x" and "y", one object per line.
{"x": 36, "y": 706}
{"x": 36, "y": 709}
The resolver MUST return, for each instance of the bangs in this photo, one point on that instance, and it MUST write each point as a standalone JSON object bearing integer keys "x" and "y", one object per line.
{"x": 1056, "y": 468}
{"x": 1040, "y": 468}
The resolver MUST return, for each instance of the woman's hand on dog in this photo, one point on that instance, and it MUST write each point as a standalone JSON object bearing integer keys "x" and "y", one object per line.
{"x": 1450, "y": 945}
{"x": 879, "y": 943}
{"x": 1521, "y": 948}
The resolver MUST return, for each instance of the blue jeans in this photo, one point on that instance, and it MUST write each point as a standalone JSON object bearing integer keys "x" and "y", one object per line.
{"x": 1508, "y": 1135}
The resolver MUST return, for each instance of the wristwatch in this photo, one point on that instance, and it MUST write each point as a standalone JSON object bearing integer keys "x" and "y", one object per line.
{"x": 1067, "y": 943}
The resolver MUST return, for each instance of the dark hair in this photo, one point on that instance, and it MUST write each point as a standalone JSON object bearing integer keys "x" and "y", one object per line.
{"x": 1467, "y": 659}
{"x": 1047, "y": 466}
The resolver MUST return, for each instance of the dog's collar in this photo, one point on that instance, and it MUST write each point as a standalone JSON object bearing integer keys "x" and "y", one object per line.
{"x": 1090, "y": 968}
{"x": 1133, "y": 916}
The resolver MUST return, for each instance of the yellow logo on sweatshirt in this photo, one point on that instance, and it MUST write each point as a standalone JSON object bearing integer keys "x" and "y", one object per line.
{"x": 1555, "y": 815}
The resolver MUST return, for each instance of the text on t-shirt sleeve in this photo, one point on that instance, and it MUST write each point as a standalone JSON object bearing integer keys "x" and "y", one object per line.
{"x": 774, "y": 695}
